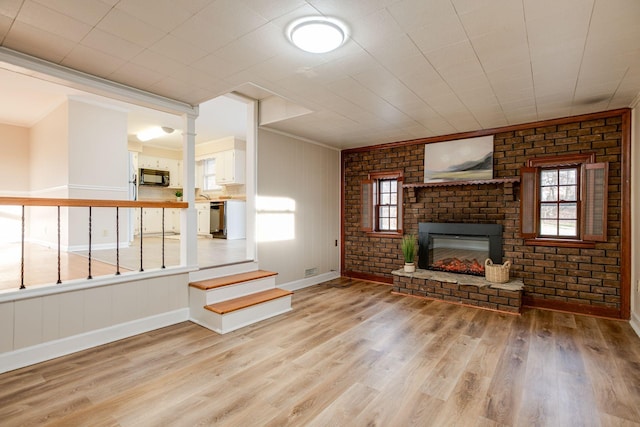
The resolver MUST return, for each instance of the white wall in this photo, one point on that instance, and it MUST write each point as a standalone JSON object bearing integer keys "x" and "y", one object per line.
{"x": 14, "y": 169}
{"x": 48, "y": 173}
{"x": 635, "y": 216}
{"x": 292, "y": 172}
{"x": 79, "y": 151}
{"x": 49, "y": 163}
{"x": 14, "y": 178}
{"x": 98, "y": 169}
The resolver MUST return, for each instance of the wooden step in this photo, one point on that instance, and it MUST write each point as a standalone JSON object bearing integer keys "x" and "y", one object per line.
{"x": 231, "y": 280}
{"x": 236, "y": 304}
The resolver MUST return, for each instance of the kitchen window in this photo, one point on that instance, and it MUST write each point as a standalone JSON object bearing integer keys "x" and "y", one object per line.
{"x": 563, "y": 201}
{"x": 209, "y": 175}
{"x": 381, "y": 204}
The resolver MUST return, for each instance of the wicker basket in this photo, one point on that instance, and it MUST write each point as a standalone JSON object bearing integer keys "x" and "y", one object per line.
{"x": 496, "y": 273}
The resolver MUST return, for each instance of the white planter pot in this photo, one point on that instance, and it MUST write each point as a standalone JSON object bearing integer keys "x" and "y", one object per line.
{"x": 409, "y": 268}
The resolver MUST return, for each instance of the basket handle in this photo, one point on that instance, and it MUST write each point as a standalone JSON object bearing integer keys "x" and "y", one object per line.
{"x": 488, "y": 261}
{"x": 506, "y": 264}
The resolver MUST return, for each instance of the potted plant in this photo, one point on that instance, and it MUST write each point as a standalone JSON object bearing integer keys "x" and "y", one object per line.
{"x": 178, "y": 194}
{"x": 409, "y": 252}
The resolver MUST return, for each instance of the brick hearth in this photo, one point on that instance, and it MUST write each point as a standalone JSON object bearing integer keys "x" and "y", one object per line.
{"x": 460, "y": 288}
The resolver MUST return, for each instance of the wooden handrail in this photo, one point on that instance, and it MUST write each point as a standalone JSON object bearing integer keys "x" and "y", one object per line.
{"x": 42, "y": 201}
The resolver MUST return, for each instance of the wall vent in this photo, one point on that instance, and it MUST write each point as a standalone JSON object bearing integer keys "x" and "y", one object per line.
{"x": 311, "y": 272}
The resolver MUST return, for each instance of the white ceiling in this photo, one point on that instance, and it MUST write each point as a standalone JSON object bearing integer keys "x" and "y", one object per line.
{"x": 411, "y": 68}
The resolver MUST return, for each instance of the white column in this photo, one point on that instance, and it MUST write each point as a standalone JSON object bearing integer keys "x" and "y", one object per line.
{"x": 251, "y": 177}
{"x": 189, "y": 218}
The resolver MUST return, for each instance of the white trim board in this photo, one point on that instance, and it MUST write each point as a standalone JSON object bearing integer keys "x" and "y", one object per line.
{"x": 50, "y": 350}
{"x": 309, "y": 281}
{"x": 635, "y": 323}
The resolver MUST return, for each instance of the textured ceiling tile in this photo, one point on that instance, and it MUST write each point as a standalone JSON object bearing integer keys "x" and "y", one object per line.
{"x": 272, "y": 9}
{"x": 232, "y": 17}
{"x": 34, "y": 41}
{"x": 10, "y": 8}
{"x": 198, "y": 31}
{"x": 111, "y": 44}
{"x": 121, "y": 24}
{"x": 156, "y": 61}
{"x": 161, "y": 13}
{"x": 93, "y": 61}
{"x": 412, "y": 14}
{"x": 51, "y": 21}
{"x": 375, "y": 28}
{"x": 178, "y": 49}
{"x": 136, "y": 76}
{"x": 88, "y": 11}
{"x": 5, "y": 24}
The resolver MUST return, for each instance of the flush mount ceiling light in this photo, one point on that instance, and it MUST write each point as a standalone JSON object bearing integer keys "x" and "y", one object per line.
{"x": 317, "y": 34}
{"x": 154, "y": 132}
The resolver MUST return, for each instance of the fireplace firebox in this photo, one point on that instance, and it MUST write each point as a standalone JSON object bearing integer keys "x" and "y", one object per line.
{"x": 458, "y": 248}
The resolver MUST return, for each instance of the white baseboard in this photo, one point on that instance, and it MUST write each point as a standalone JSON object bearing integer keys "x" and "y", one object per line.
{"x": 309, "y": 281}
{"x": 52, "y": 349}
{"x": 96, "y": 247}
{"x": 635, "y": 323}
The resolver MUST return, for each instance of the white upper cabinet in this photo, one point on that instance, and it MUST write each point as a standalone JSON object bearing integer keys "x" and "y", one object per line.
{"x": 175, "y": 173}
{"x": 230, "y": 167}
{"x": 161, "y": 163}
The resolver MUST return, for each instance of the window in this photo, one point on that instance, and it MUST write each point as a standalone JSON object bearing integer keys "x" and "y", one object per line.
{"x": 563, "y": 200}
{"x": 559, "y": 202}
{"x": 209, "y": 175}
{"x": 381, "y": 207}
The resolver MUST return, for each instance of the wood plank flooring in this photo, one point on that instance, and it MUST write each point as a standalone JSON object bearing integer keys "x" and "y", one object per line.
{"x": 350, "y": 353}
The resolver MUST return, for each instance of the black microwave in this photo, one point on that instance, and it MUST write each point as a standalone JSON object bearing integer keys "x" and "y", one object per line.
{"x": 154, "y": 177}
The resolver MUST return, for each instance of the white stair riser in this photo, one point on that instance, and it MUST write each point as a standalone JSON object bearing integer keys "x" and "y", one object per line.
{"x": 197, "y": 300}
{"x": 225, "y": 293}
{"x": 225, "y": 270}
{"x": 224, "y": 323}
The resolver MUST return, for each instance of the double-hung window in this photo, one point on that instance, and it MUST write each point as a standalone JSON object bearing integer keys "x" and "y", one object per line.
{"x": 563, "y": 200}
{"x": 559, "y": 204}
{"x": 381, "y": 205}
{"x": 209, "y": 175}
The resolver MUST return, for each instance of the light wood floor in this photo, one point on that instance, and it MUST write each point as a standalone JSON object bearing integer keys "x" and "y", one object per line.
{"x": 349, "y": 354}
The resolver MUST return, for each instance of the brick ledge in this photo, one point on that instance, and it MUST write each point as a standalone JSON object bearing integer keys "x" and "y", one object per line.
{"x": 461, "y": 279}
{"x": 460, "y": 288}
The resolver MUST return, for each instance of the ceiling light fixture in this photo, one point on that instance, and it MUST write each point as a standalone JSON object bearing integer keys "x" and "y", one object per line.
{"x": 317, "y": 34}
{"x": 154, "y": 132}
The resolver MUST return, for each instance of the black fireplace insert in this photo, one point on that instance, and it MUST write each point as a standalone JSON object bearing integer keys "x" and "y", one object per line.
{"x": 458, "y": 248}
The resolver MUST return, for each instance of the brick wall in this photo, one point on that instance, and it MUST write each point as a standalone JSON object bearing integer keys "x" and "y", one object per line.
{"x": 588, "y": 277}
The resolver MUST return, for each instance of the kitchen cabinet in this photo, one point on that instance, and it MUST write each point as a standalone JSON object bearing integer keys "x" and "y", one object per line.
{"x": 203, "y": 213}
{"x": 230, "y": 167}
{"x": 152, "y": 220}
{"x": 173, "y": 222}
{"x": 175, "y": 174}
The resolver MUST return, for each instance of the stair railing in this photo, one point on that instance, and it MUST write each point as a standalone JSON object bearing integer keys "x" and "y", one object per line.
{"x": 89, "y": 203}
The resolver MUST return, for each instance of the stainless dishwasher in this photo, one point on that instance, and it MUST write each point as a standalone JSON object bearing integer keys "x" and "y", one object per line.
{"x": 218, "y": 220}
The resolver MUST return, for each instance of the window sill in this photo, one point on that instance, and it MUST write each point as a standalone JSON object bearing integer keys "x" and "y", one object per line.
{"x": 561, "y": 243}
{"x": 388, "y": 234}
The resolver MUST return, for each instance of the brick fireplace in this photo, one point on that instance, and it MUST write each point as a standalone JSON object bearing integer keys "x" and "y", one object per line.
{"x": 584, "y": 280}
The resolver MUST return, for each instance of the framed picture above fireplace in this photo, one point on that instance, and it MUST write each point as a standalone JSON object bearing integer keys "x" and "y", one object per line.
{"x": 467, "y": 159}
